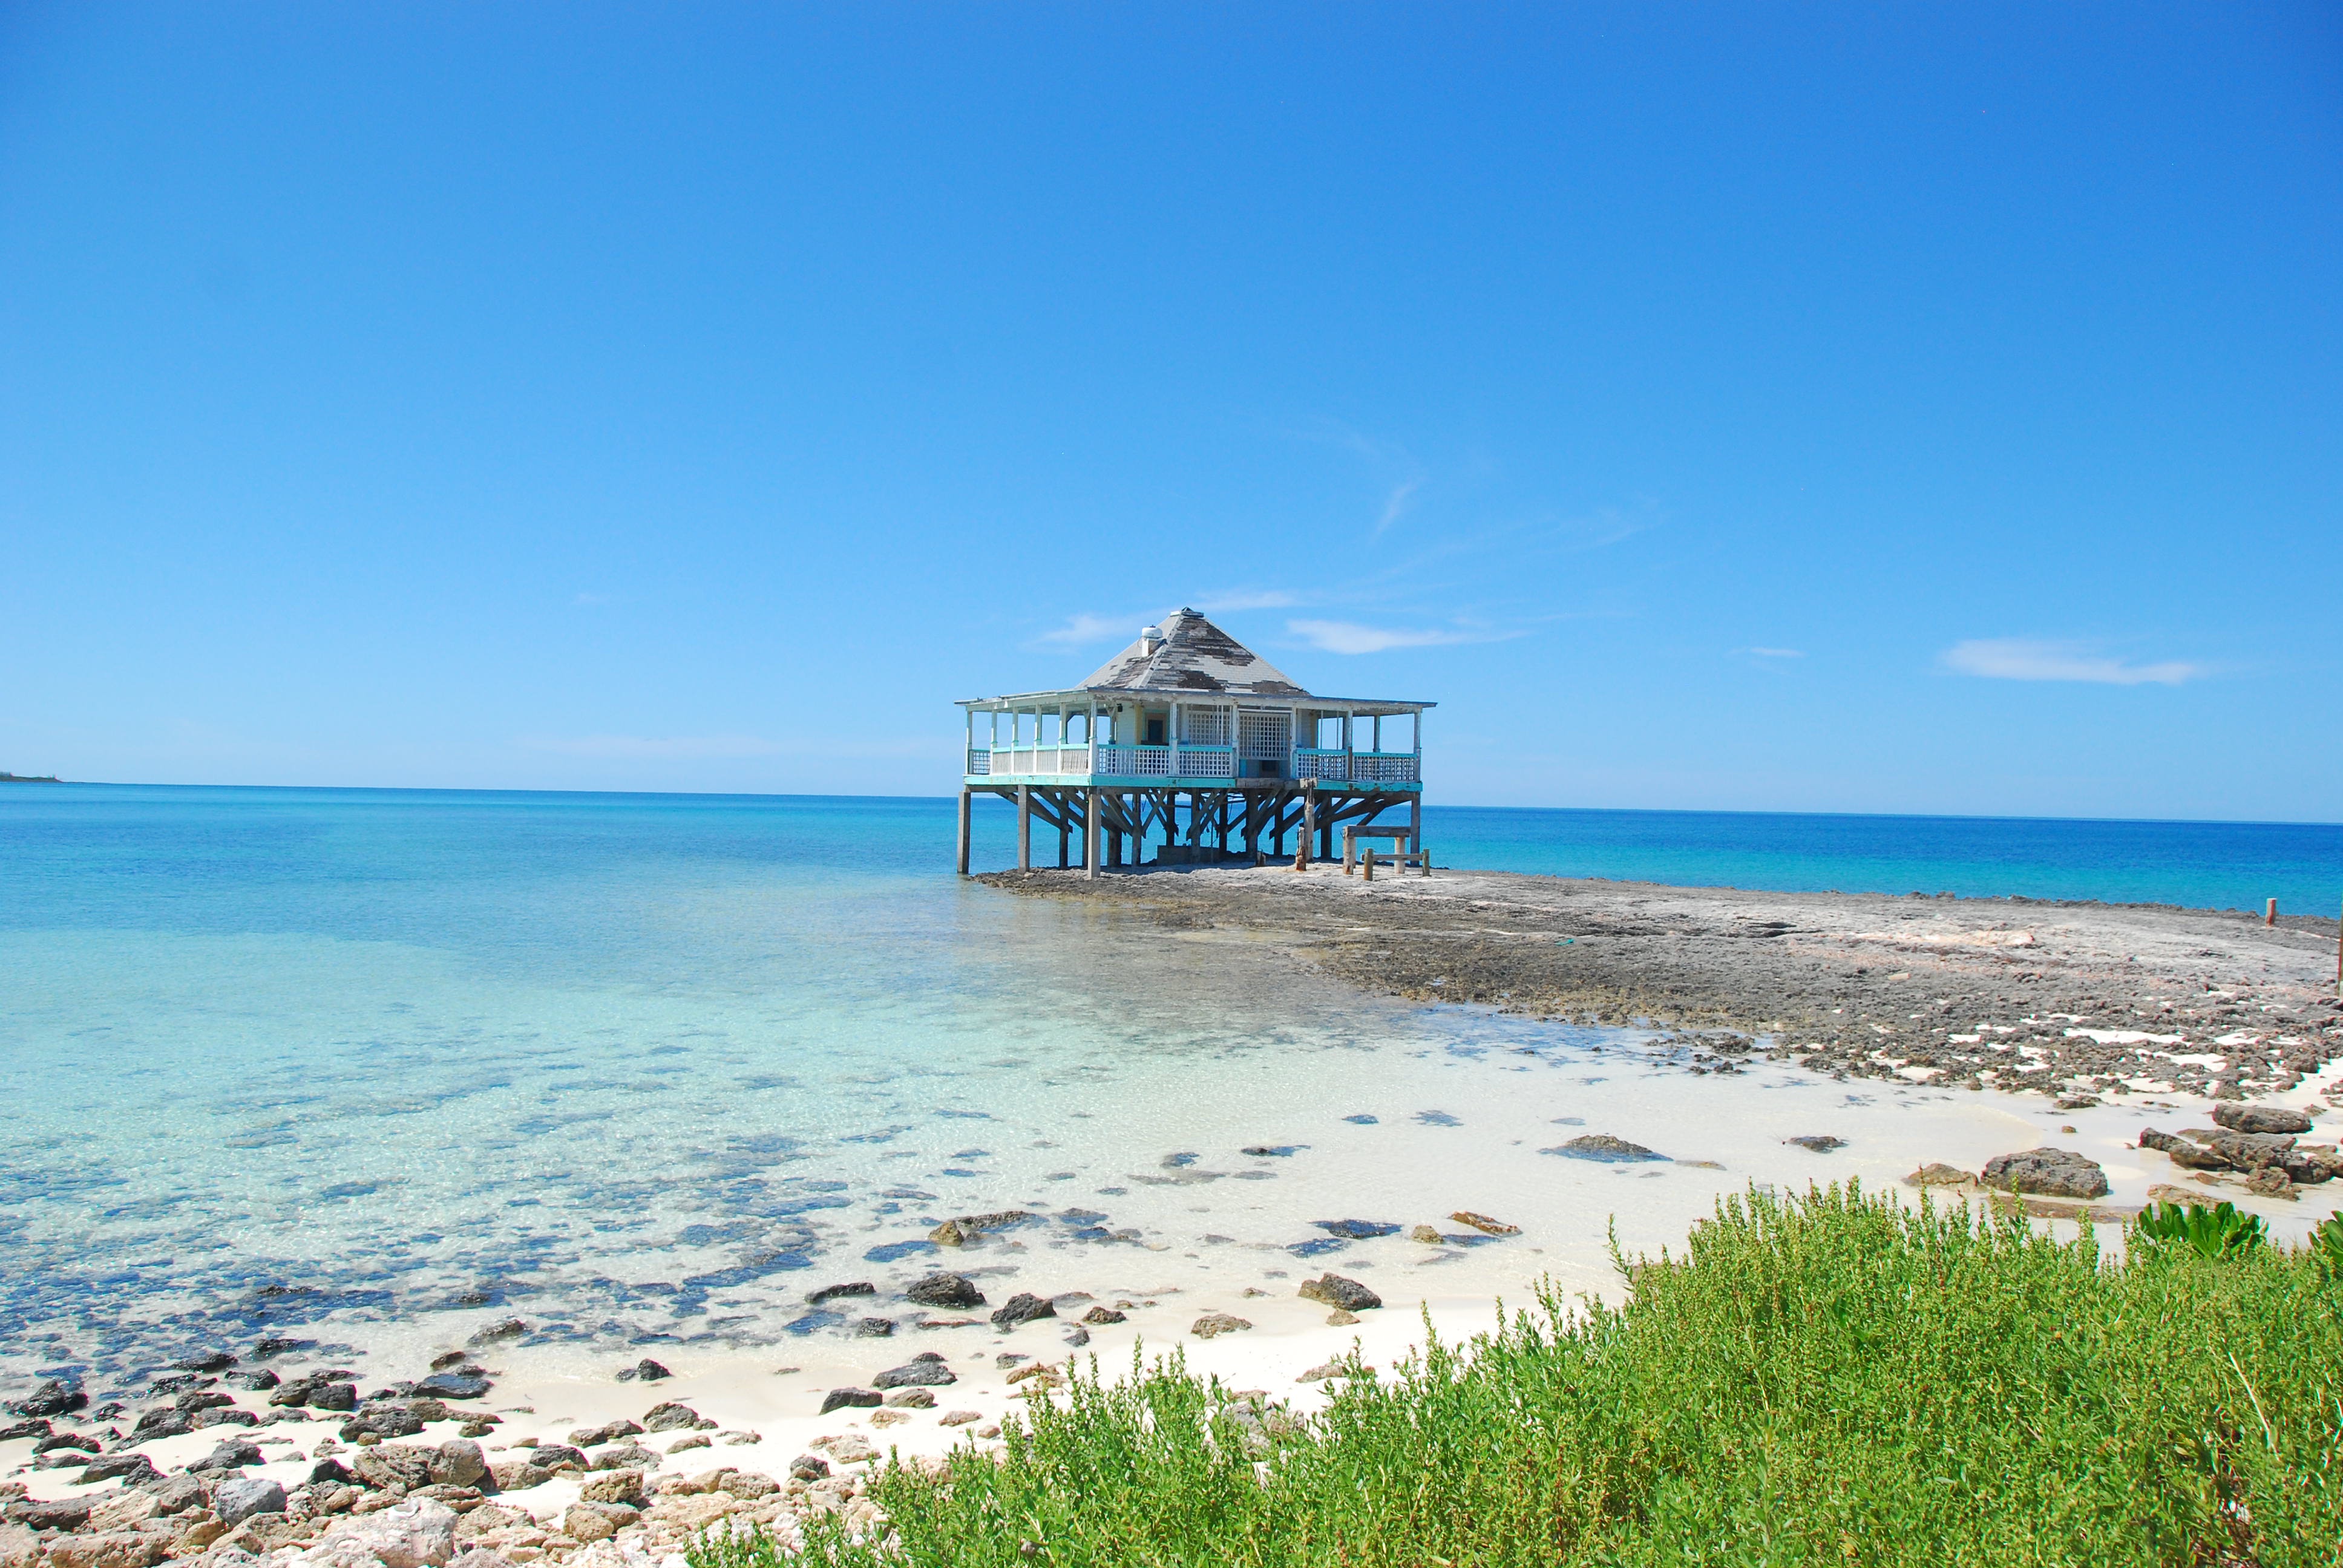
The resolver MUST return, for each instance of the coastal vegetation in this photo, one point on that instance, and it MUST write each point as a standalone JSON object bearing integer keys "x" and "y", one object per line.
{"x": 1832, "y": 1378}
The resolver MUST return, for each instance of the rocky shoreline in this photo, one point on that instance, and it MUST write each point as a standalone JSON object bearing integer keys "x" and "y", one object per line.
{"x": 2082, "y": 1002}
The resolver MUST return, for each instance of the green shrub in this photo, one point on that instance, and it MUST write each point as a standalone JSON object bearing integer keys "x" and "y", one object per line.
{"x": 2219, "y": 1232}
{"x": 1833, "y": 1379}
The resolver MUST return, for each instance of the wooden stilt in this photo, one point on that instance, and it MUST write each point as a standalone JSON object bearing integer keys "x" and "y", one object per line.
{"x": 1309, "y": 826}
{"x": 966, "y": 795}
{"x": 1415, "y": 828}
{"x": 1024, "y": 827}
{"x": 1091, "y": 838}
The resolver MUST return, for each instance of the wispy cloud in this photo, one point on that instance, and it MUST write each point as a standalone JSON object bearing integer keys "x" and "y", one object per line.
{"x": 1395, "y": 505}
{"x": 1232, "y": 603}
{"x": 1349, "y": 637}
{"x": 1776, "y": 652}
{"x": 2027, "y": 658}
{"x": 1088, "y": 628}
{"x": 591, "y": 599}
{"x": 648, "y": 746}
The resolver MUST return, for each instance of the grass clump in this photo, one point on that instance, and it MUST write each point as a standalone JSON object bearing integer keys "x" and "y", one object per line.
{"x": 1831, "y": 1379}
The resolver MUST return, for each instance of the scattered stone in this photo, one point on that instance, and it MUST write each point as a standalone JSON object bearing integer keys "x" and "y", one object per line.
{"x": 958, "y": 1417}
{"x": 1021, "y": 1308}
{"x": 2261, "y": 1118}
{"x": 2165, "y": 1193}
{"x": 1212, "y": 1325}
{"x": 844, "y": 1398}
{"x": 832, "y": 1293}
{"x": 1604, "y": 1147}
{"x": 210, "y": 1361}
{"x": 926, "y": 1369}
{"x": 178, "y": 1493}
{"x": 457, "y": 1385}
{"x": 1344, "y": 1295}
{"x": 2269, "y": 1182}
{"x": 55, "y": 1397}
{"x": 812, "y": 1466}
{"x": 851, "y": 1448}
{"x": 479, "y": 1556}
{"x": 459, "y": 1461}
{"x": 647, "y": 1370}
{"x": 608, "y": 1432}
{"x": 66, "y": 1514}
{"x": 32, "y": 1427}
{"x": 888, "y": 1417}
{"x": 591, "y": 1522}
{"x": 1938, "y": 1175}
{"x": 957, "y": 1291}
{"x": 63, "y": 1439}
{"x": 992, "y": 1430}
{"x": 1077, "y": 1335}
{"x": 624, "y": 1486}
{"x": 333, "y": 1397}
{"x": 237, "y": 1500}
{"x": 396, "y": 1468}
{"x": 1819, "y": 1142}
{"x": 1102, "y": 1315}
{"x": 670, "y": 1417}
{"x": 130, "y": 1469}
{"x": 1341, "y": 1319}
{"x": 1425, "y": 1235}
{"x": 1485, "y": 1224}
{"x": 495, "y": 1334}
{"x": 121, "y": 1549}
{"x": 1042, "y": 1371}
{"x": 874, "y": 1328}
{"x": 256, "y": 1380}
{"x": 948, "y": 1234}
{"x": 1356, "y": 1230}
{"x": 2050, "y": 1172}
{"x": 912, "y": 1398}
{"x": 627, "y": 1456}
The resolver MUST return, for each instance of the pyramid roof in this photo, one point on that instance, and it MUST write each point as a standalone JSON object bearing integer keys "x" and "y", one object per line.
{"x": 1194, "y": 656}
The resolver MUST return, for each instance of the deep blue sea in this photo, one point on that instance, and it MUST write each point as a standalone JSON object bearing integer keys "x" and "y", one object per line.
{"x": 303, "y": 1062}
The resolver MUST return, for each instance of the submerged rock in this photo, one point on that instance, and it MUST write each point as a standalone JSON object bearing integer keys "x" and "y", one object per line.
{"x": 1604, "y": 1147}
{"x": 2050, "y": 1172}
{"x": 1356, "y": 1230}
{"x": 832, "y": 1293}
{"x": 1213, "y": 1325}
{"x": 55, "y": 1397}
{"x": 1485, "y": 1224}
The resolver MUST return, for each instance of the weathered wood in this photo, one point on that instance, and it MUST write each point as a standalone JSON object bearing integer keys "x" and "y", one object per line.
{"x": 967, "y": 797}
{"x": 1092, "y": 827}
{"x": 1024, "y": 828}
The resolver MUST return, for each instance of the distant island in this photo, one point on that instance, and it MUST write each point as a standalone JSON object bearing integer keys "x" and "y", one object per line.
{"x": 6, "y": 778}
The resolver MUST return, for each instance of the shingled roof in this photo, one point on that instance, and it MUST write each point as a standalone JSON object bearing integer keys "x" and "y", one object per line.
{"x": 1194, "y": 656}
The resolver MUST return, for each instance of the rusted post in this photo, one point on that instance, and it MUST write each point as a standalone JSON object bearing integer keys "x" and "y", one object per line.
{"x": 966, "y": 795}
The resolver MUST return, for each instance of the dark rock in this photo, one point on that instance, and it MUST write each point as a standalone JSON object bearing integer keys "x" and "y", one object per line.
{"x": 1356, "y": 1230}
{"x": 79, "y": 1440}
{"x": 397, "y": 1467}
{"x": 647, "y": 1370}
{"x": 233, "y": 1453}
{"x": 446, "y": 1359}
{"x": 554, "y": 1454}
{"x": 1021, "y": 1308}
{"x": 226, "y": 1416}
{"x": 1604, "y": 1147}
{"x": 462, "y": 1385}
{"x": 956, "y": 1291}
{"x": 382, "y": 1420}
{"x": 2261, "y": 1118}
{"x": 162, "y": 1422}
{"x": 255, "y": 1380}
{"x": 177, "y": 1382}
{"x": 210, "y": 1361}
{"x": 832, "y": 1293}
{"x": 808, "y": 1467}
{"x": 130, "y": 1469}
{"x": 428, "y": 1410}
{"x": 2049, "y": 1172}
{"x": 66, "y": 1514}
{"x": 1819, "y": 1142}
{"x": 457, "y": 1461}
{"x": 1341, "y": 1294}
{"x": 670, "y": 1417}
{"x": 840, "y": 1397}
{"x": 333, "y": 1470}
{"x": 495, "y": 1334}
{"x": 35, "y": 1427}
{"x": 55, "y": 1397}
{"x": 916, "y": 1375}
{"x": 874, "y": 1328}
{"x": 1102, "y": 1315}
{"x": 237, "y": 1500}
{"x": 276, "y": 1345}
{"x": 334, "y": 1396}
{"x": 626, "y": 1456}
{"x": 201, "y": 1399}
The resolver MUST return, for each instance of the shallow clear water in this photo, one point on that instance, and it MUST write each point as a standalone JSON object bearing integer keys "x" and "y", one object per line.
{"x": 367, "y": 1067}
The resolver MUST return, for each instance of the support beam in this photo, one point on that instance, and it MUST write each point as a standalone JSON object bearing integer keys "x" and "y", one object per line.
{"x": 966, "y": 795}
{"x": 1091, "y": 838}
{"x": 1024, "y": 827}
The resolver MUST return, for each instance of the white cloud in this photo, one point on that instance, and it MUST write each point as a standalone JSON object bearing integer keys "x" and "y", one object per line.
{"x": 1349, "y": 637}
{"x": 1231, "y": 603}
{"x": 2026, "y": 658}
{"x": 1088, "y": 628}
{"x": 643, "y": 746}
{"x": 1396, "y": 505}
{"x": 591, "y": 599}
{"x": 1776, "y": 652}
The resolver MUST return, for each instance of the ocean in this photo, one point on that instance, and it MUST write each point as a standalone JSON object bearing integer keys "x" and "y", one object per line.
{"x": 362, "y": 1068}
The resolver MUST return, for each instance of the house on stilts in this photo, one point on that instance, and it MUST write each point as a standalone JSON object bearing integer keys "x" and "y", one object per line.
{"x": 1190, "y": 745}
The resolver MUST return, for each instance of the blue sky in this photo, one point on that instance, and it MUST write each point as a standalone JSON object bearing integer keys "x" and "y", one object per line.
{"x": 1804, "y": 408}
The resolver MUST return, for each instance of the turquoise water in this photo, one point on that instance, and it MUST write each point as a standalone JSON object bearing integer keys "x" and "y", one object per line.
{"x": 316, "y": 1062}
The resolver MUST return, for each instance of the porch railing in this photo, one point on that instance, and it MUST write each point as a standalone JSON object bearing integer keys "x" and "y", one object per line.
{"x": 980, "y": 760}
{"x": 1356, "y": 767}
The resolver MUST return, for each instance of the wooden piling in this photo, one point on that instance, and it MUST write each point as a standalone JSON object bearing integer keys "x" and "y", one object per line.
{"x": 966, "y": 797}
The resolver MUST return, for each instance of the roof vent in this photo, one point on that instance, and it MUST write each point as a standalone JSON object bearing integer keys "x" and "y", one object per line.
{"x": 1151, "y": 638}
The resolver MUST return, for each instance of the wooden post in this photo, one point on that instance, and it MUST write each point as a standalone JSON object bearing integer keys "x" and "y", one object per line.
{"x": 1349, "y": 849}
{"x": 2270, "y": 918}
{"x": 966, "y": 795}
{"x": 1065, "y": 829}
{"x": 1368, "y": 861}
{"x": 1024, "y": 827}
{"x": 1415, "y": 828}
{"x": 1091, "y": 837}
{"x": 1309, "y": 825}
